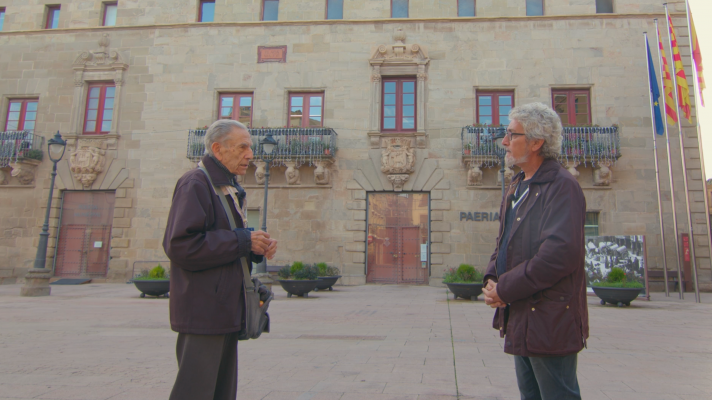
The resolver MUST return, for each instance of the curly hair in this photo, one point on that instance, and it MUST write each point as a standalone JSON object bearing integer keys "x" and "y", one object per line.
{"x": 540, "y": 122}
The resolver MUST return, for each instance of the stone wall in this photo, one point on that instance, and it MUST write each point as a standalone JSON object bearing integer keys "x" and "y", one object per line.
{"x": 174, "y": 74}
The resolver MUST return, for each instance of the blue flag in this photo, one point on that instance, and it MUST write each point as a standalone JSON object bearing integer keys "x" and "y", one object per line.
{"x": 655, "y": 91}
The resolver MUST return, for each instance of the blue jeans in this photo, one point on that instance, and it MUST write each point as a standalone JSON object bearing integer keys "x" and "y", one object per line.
{"x": 547, "y": 378}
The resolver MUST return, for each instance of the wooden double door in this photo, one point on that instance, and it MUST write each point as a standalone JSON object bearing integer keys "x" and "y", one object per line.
{"x": 398, "y": 238}
{"x": 84, "y": 240}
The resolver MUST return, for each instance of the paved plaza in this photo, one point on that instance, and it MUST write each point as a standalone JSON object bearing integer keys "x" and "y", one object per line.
{"x": 101, "y": 341}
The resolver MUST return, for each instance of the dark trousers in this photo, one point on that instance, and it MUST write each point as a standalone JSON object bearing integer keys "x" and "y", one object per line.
{"x": 547, "y": 378}
{"x": 207, "y": 367}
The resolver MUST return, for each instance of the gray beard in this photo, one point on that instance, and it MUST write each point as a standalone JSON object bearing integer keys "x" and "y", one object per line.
{"x": 510, "y": 161}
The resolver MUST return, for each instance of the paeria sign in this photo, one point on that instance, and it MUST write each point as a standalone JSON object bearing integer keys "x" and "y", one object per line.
{"x": 479, "y": 216}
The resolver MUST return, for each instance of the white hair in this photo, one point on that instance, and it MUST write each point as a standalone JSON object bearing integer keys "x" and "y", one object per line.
{"x": 217, "y": 132}
{"x": 540, "y": 122}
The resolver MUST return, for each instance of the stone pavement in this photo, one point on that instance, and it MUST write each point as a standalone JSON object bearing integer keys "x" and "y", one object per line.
{"x": 101, "y": 341}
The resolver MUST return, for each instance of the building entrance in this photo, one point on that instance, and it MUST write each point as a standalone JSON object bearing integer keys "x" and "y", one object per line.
{"x": 84, "y": 235}
{"x": 398, "y": 238}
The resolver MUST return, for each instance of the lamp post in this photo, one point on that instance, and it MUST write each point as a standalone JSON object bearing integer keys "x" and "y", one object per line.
{"x": 37, "y": 279}
{"x": 266, "y": 154}
{"x": 501, "y": 151}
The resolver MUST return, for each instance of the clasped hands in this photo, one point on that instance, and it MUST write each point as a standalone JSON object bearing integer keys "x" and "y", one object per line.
{"x": 263, "y": 245}
{"x": 491, "y": 297}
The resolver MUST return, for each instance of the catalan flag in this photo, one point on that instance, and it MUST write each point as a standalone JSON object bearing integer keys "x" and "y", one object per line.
{"x": 683, "y": 91}
{"x": 667, "y": 81}
{"x": 697, "y": 56}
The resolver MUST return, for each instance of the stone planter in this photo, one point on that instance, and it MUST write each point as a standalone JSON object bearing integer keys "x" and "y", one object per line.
{"x": 298, "y": 287}
{"x": 465, "y": 290}
{"x": 618, "y": 296}
{"x": 326, "y": 282}
{"x": 158, "y": 287}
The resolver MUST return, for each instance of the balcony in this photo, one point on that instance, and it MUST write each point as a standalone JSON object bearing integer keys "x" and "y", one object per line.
{"x": 302, "y": 145}
{"x": 18, "y": 146}
{"x": 580, "y": 145}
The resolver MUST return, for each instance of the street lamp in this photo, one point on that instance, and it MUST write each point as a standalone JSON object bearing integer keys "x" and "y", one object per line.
{"x": 501, "y": 151}
{"x": 268, "y": 143}
{"x": 37, "y": 279}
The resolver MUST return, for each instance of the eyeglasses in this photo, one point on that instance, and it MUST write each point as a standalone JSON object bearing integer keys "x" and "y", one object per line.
{"x": 510, "y": 134}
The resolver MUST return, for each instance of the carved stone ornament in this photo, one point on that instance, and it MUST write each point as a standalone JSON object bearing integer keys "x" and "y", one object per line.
{"x": 24, "y": 171}
{"x": 398, "y": 181}
{"x": 87, "y": 161}
{"x": 3, "y": 178}
{"x": 321, "y": 173}
{"x": 260, "y": 172}
{"x": 508, "y": 175}
{"x": 571, "y": 167}
{"x": 474, "y": 174}
{"x": 400, "y": 51}
{"x": 398, "y": 157}
{"x": 602, "y": 174}
{"x": 292, "y": 173}
{"x": 100, "y": 57}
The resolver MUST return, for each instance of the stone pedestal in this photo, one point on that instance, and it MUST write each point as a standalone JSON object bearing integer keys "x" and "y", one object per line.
{"x": 37, "y": 283}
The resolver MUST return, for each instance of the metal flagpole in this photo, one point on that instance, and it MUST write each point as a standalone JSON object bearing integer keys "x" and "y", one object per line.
{"x": 657, "y": 169}
{"x": 672, "y": 183}
{"x": 696, "y": 78}
{"x": 684, "y": 162}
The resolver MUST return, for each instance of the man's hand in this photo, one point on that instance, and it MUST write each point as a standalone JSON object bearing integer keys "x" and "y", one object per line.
{"x": 271, "y": 249}
{"x": 260, "y": 242}
{"x": 491, "y": 297}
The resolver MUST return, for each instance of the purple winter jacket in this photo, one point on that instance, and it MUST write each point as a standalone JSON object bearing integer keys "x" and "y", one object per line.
{"x": 545, "y": 282}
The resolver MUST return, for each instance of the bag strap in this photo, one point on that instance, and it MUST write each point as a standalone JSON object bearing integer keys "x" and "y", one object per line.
{"x": 243, "y": 261}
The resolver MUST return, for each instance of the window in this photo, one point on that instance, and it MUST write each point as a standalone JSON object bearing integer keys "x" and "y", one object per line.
{"x": 207, "y": 11}
{"x": 465, "y": 8}
{"x": 110, "y": 14}
{"x": 300, "y": 103}
{"x": 590, "y": 227}
{"x": 604, "y": 6}
{"x": 52, "y": 17}
{"x": 399, "y": 8}
{"x": 535, "y": 7}
{"x": 493, "y": 107}
{"x": 2, "y": 17}
{"x": 270, "y": 10}
{"x": 100, "y": 108}
{"x": 21, "y": 115}
{"x": 334, "y": 9}
{"x": 573, "y": 106}
{"x": 398, "y": 104}
{"x": 237, "y": 106}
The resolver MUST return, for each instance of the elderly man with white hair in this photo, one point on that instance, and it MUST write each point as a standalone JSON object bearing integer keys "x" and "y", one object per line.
{"x": 536, "y": 275}
{"x": 207, "y": 303}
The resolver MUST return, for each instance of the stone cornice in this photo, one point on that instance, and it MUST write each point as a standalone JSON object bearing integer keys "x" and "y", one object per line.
{"x": 341, "y": 22}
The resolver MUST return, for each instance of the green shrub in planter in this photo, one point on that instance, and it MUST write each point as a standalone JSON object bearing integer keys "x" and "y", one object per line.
{"x": 156, "y": 273}
{"x": 617, "y": 279}
{"x": 465, "y": 273}
{"x": 308, "y": 272}
{"x": 33, "y": 154}
{"x": 285, "y": 272}
{"x": 296, "y": 267}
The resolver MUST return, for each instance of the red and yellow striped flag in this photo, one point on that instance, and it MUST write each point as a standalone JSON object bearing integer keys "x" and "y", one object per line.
{"x": 683, "y": 91}
{"x": 697, "y": 56}
{"x": 667, "y": 82}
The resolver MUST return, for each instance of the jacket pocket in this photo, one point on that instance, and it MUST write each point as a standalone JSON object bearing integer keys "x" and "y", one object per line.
{"x": 552, "y": 328}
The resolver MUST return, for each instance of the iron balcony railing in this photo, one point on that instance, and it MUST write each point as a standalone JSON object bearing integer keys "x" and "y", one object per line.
{"x": 582, "y": 145}
{"x": 19, "y": 145}
{"x": 298, "y": 144}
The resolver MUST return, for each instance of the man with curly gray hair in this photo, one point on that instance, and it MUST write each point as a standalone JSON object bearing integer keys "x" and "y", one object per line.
{"x": 536, "y": 277}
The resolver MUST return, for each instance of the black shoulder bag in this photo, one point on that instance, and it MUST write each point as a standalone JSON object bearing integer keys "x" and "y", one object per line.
{"x": 256, "y": 317}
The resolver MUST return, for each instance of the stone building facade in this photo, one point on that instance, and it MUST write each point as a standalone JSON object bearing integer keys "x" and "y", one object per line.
{"x": 166, "y": 73}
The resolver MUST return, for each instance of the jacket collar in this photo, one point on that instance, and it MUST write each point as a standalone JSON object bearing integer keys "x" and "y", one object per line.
{"x": 546, "y": 173}
{"x": 218, "y": 173}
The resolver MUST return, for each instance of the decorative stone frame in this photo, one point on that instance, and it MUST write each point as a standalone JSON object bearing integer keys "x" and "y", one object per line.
{"x": 102, "y": 65}
{"x": 393, "y": 60}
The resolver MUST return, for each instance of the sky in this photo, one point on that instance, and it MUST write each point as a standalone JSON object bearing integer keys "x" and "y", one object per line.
{"x": 702, "y": 12}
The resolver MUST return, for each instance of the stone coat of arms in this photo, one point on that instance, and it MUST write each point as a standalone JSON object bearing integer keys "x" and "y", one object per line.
{"x": 398, "y": 157}
{"x": 86, "y": 162}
